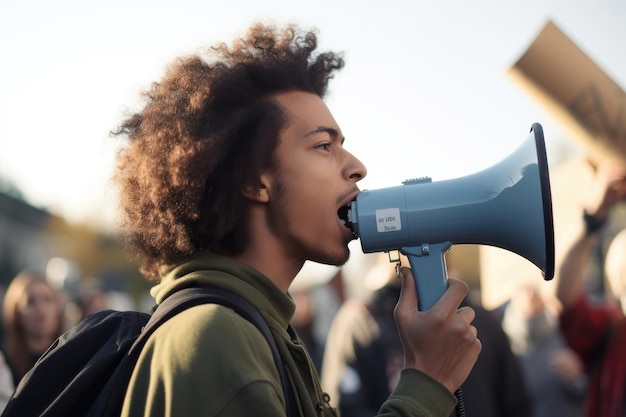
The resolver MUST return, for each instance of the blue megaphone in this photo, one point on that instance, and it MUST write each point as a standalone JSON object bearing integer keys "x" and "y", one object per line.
{"x": 508, "y": 205}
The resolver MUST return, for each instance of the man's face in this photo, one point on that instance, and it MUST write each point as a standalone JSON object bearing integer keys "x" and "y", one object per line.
{"x": 314, "y": 177}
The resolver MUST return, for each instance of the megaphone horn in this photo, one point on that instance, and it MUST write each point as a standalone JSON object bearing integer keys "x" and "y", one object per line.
{"x": 508, "y": 205}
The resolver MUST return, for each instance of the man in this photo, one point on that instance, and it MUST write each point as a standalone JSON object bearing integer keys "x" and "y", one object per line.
{"x": 234, "y": 176}
{"x": 597, "y": 331}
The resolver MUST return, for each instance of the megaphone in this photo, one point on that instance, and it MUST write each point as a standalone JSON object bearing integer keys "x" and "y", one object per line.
{"x": 508, "y": 205}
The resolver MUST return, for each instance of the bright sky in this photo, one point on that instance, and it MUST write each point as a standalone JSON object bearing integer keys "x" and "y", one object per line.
{"x": 424, "y": 91}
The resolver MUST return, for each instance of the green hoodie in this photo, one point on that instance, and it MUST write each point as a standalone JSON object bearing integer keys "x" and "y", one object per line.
{"x": 209, "y": 361}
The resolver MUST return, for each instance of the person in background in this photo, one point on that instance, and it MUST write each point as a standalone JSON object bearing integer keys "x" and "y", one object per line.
{"x": 554, "y": 372}
{"x": 6, "y": 378}
{"x": 6, "y": 382}
{"x": 363, "y": 357}
{"x": 596, "y": 331}
{"x": 316, "y": 292}
{"x": 234, "y": 174}
{"x": 33, "y": 319}
{"x": 303, "y": 322}
{"x": 93, "y": 296}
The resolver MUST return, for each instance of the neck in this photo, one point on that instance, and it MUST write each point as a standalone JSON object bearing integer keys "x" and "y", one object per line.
{"x": 277, "y": 269}
{"x": 266, "y": 253}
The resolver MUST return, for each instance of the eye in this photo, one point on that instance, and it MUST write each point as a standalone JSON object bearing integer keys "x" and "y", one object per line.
{"x": 324, "y": 146}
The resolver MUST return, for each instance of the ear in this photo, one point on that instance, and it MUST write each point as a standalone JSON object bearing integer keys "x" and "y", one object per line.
{"x": 258, "y": 192}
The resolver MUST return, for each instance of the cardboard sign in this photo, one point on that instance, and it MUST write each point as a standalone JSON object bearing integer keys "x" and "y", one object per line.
{"x": 576, "y": 91}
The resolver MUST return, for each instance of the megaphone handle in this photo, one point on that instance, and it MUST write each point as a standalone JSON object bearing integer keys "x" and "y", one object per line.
{"x": 428, "y": 264}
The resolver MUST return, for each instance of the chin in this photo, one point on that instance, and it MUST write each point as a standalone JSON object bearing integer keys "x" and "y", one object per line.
{"x": 343, "y": 259}
{"x": 336, "y": 259}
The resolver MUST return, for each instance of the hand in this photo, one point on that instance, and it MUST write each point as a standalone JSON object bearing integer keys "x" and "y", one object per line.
{"x": 608, "y": 187}
{"x": 440, "y": 342}
{"x": 567, "y": 365}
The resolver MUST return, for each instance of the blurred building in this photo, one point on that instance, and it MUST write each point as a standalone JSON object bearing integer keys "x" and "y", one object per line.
{"x": 22, "y": 237}
{"x": 32, "y": 237}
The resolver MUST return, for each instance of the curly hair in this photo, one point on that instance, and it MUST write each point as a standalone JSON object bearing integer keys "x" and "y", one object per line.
{"x": 207, "y": 128}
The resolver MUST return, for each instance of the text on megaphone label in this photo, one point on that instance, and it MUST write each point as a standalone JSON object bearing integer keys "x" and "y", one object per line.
{"x": 388, "y": 220}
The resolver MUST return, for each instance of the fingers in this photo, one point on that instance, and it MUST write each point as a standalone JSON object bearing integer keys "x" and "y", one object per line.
{"x": 452, "y": 298}
{"x": 610, "y": 183}
{"x": 441, "y": 342}
{"x": 446, "y": 307}
{"x": 449, "y": 301}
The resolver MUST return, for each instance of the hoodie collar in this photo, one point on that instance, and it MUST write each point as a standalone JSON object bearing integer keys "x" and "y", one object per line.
{"x": 211, "y": 269}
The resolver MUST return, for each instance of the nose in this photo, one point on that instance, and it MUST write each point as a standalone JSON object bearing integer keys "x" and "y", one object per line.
{"x": 355, "y": 170}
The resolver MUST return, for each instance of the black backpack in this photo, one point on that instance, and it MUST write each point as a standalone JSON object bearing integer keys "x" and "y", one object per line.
{"x": 86, "y": 371}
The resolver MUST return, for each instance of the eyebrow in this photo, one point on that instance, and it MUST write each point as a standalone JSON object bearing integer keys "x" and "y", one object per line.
{"x": 334, "y": 133}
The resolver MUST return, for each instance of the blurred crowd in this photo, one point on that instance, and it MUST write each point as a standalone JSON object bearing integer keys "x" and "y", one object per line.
{"x": 36, "y": 310}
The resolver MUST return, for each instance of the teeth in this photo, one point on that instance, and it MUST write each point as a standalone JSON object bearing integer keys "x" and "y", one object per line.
{"x": 342, "y": 221}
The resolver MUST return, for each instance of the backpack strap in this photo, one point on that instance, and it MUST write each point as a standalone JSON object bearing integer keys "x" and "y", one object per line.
{"x": 192, "y": 296}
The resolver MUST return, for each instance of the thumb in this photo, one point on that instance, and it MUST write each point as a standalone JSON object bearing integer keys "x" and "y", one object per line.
{"x": 408, "y": 291}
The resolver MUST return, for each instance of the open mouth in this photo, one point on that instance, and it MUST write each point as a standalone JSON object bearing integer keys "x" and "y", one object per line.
{"x": 344, "y": 217}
